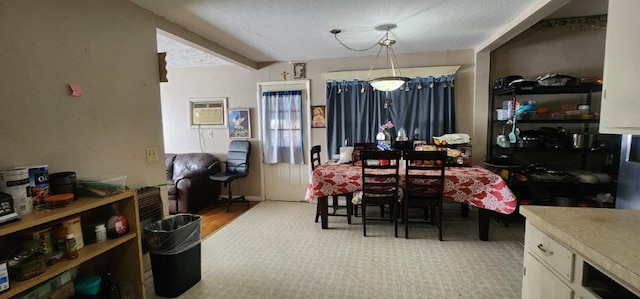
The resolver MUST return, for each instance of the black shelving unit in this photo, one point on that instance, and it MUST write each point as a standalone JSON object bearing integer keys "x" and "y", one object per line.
{"x": 584, "y": 88}
{"x": 516, "y": 91}
{"x": 552, "y": 121}
{"x": 566, "y": 155}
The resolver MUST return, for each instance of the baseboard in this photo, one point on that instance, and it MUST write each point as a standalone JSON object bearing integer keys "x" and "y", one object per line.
{"x": 253, "y": 198}
{"x": 247, "y": 197}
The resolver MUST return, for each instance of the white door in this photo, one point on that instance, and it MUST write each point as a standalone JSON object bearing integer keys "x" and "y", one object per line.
{"x": 285, "y": 181}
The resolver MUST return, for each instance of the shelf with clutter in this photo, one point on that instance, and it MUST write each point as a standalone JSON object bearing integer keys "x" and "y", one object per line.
{"x": 543, "y": 140}
{"x": 51, "y": 268}
{"x": 457, "y": 145}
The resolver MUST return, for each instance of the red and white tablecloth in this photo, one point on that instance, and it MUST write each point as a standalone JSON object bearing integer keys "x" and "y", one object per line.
{"x": 475, "y": 186}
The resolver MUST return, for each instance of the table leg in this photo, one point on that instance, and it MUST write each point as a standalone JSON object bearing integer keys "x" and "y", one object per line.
{"x": 464, "y": 210}
{"x": 324, "y": 211}
{"x": 483, "y": 223}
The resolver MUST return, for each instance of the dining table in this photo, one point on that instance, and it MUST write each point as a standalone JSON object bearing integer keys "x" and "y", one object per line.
{"x": 471, "y": 186}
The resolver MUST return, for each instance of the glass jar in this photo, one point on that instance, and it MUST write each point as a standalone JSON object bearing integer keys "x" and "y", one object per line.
{"x": 101, "y": 233}
{"x": 72, "y": 250}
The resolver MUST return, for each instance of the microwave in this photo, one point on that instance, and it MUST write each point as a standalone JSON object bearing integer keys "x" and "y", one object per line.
{"x": 7, "y": 211}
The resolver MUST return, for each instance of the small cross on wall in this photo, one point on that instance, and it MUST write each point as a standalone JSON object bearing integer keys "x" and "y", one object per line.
{"x": 284, "y": 75}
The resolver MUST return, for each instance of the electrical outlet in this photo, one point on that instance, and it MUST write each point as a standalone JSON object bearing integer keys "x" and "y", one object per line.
{"x": 152, "y": 154}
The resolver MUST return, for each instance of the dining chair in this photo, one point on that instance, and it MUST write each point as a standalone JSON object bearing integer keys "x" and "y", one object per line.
{"x": 424, "y": 187}
{"x": 380, "y": 184}
{"x": 357, "y": 148}
{"x": 315, "y": 162}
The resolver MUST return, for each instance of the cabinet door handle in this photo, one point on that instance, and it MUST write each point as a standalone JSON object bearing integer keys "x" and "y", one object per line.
{"x": 544, "y": 251}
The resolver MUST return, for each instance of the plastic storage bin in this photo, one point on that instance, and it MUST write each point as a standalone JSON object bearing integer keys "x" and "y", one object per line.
{"x": 51, "y": 287}
{"x": 174, "y": 249}
{"x": 27, "y": 260}
{"x": 102, "y": 186}
{"x": 87, "y": 284}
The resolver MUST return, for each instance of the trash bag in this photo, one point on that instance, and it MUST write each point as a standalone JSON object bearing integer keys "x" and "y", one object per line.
{"x": 173, "y": 235}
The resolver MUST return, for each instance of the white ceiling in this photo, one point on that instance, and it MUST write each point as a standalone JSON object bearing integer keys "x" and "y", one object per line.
{"x": 298, "y": 30}
{"x": 180, "y": 55}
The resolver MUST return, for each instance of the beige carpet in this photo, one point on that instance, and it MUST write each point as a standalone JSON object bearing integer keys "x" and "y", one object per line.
{"x": 275, "y": 250}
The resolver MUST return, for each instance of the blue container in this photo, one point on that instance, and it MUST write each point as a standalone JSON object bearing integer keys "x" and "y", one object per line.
{"x": 87, "y": 285}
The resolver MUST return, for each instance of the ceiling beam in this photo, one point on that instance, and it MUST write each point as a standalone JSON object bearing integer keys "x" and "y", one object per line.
{"x": 527, "y": 18}
{"x": 203, "y": 44}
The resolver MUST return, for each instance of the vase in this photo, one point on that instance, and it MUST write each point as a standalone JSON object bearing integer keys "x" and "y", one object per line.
{"x": 387, "y": 135}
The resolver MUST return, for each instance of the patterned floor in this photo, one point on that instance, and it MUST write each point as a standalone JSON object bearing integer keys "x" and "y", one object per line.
{"x": 275, "y": 250}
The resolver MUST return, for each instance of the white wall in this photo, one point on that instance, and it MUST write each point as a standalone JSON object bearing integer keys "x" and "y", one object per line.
{"x": 239, "y": 85}
{"x": 538, "y": 51}
{"x": 571, "y": 50}
{"x": 106, "y": 47}
{"x": 232, "y": 82}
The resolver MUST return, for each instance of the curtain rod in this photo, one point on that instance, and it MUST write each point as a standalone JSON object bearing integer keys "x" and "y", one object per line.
{"x": 435, "y": 71}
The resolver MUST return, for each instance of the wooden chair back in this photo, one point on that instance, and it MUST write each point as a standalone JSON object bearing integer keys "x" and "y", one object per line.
{"x": 380, "y": 183}
{"x": 424, "y": 182}
{"x": 359, "y": 147}
{"x": 315, "y": 157}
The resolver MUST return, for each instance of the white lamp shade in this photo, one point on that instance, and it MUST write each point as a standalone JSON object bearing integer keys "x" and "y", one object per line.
{"x": 388, "y": 83}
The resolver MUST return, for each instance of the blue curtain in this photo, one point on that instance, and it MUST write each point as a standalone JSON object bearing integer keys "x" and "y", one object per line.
{"x": 355, "y": 110}
{"x": 282, "y": 127}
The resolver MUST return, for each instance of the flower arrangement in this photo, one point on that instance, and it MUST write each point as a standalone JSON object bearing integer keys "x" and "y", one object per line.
{"x": 385, "y": 131}
{"x": 387, "y": 127}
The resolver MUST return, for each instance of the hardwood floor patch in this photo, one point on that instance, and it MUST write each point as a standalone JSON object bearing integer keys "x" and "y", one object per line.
{"x": 215, "y": 217}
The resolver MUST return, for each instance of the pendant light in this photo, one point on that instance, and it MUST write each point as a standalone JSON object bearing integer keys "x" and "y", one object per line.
{"x": 391, "y": 81}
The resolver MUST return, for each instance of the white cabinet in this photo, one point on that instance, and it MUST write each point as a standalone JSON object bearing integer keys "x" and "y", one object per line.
{"x": 550, "y": 252}
{"x": 592, "y": 251}
{"x": 621, "y": 91}
{"x": 547, "y": 268}
{"x": 539, "y": 282}
{"x": 552, "y": 270}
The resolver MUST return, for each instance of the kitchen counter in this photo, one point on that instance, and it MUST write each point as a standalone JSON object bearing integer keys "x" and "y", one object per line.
{"x": 609, "y": 239}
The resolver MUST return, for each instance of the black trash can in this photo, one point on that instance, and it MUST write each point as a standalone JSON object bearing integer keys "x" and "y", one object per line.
{"x": 174, "y": 248}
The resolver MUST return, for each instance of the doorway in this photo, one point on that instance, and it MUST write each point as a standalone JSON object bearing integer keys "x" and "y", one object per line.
{"x": 283, "y": 181}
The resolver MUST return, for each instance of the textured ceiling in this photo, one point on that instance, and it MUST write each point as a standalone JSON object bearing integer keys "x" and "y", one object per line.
{"x": 180, "y": 55}
{"x": 298, "y": 30}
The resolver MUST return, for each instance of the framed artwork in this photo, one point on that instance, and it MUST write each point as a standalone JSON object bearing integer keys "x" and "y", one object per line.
{"x": 318, "y": 119}
{"x": 299, "y": 70}
{"x": 208, "y": 113}
{"x": 239, "y": 123}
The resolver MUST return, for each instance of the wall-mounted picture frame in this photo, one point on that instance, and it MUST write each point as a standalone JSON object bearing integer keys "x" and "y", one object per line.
{"x": 208, "y": 112}
{"x": 318, "y": 117}
{"x": 239, "y": 123}
{"x": 299, "y": 70}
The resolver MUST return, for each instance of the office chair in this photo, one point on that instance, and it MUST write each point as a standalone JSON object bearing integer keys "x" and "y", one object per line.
{"x": 235, "y": 167}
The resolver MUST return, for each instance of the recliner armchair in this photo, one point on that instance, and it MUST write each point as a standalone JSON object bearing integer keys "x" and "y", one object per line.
{"x": 188, "y": 183}
{"x": 235, "y": 167}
